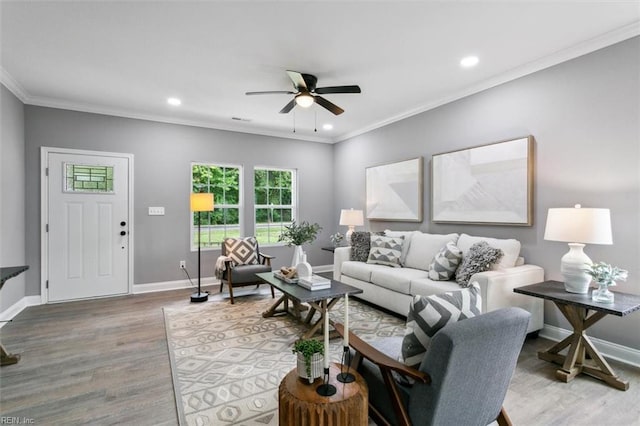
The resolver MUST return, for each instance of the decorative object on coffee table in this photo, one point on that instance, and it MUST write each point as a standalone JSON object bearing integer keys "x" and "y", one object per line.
{"x": 605, "y": 276}
{"x": 297, "y": 235}
{"x": 200, "y": 202}
{"x": 351, "y": 218}
{"x": 577, "y": 226}
{"x": 310, "y": 354}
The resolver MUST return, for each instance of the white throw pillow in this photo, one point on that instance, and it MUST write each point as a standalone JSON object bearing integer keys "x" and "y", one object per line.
{"x": 510, "y": 248}
{"x": 424, "y": 247}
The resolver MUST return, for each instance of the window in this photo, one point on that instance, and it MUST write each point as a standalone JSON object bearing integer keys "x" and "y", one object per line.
{"x": 275, "y": 202}
{"x": 85, "y": 178}
{"x": 224, "y": 182}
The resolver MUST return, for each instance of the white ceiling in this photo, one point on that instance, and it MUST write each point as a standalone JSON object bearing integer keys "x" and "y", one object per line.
{"x": 126, "y": 58}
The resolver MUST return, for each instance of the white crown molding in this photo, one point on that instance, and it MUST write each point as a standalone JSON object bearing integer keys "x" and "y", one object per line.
{"x": 14, "y": 87}
{"x": 95, "y": 109}
{"x": 580, "y": 49}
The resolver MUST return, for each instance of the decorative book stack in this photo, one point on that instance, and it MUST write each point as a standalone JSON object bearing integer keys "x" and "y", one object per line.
{"x": 314, "y": 282}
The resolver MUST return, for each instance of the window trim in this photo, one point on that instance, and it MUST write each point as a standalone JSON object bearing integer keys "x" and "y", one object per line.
{"x": 240, "y": 205}
{"x": 294, "y": 198}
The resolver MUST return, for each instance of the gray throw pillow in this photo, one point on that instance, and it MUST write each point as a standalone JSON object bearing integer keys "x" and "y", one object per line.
{"x": 445, "y": 262}
{"x": 360, "y": 246}
{"x": 429, "y": 314}
{"x": 479, "y": 259}
{"x": 386, "y": 250}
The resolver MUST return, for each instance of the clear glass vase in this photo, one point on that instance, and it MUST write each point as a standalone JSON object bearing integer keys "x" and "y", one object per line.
{"x": 602, "y": 293}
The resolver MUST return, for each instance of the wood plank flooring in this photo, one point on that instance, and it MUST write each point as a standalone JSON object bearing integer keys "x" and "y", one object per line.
{"x": 105, "y": 362}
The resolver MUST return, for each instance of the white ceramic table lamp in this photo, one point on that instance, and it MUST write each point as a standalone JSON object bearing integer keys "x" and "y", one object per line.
{"x": 577, "y": 226}
{"x": 351, "y": 218}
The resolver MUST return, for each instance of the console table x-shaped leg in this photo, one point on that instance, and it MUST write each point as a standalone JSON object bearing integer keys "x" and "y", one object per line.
{"x": 574, "y": 362}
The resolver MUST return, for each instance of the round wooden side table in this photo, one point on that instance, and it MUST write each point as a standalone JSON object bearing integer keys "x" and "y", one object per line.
{"x": 300, "y": 404}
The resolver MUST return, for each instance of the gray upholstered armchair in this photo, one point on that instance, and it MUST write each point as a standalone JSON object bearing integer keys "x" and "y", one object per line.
{"x": 462, "y": 380}
{"x": 243, "y": 263}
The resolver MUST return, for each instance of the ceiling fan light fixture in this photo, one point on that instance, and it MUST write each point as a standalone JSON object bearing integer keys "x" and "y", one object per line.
{"x": 305, "y": 100}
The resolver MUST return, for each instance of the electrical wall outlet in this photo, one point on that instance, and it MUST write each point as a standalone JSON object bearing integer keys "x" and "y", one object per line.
{"x": 183, "y": 264}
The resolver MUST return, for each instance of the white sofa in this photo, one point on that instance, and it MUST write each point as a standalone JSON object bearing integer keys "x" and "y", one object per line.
{"x": 394, "y": 288}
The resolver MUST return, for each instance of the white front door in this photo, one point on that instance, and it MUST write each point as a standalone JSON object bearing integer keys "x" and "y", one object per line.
{"x": 88, "y": 238}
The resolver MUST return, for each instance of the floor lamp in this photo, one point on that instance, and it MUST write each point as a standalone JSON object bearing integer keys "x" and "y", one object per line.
{"x": 200, "y": 202}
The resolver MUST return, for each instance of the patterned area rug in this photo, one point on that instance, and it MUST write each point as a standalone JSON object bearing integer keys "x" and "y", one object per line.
{"x": 227, "y": 360}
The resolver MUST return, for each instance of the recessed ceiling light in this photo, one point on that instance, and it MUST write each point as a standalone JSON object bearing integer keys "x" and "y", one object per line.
{"x": 469, "y": 61}
{"x": 327, "y": 126}
{"x": 174, "y": 101}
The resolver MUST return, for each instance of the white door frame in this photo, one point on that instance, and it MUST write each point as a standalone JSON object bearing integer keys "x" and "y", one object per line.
{"x": 44, "y": 212}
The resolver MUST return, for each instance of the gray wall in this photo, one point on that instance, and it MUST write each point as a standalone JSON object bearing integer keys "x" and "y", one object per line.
{"x": 585, "y": 117}
{"x": 12, "y": 196}
{"x": 162, "y": 157}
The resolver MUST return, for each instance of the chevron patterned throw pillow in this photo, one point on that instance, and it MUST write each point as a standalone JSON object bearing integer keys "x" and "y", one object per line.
{"x": 385, "y": 250}
{"x": 242, "y": 251}
{"x": 429, "y": 314}
{"x": 445, "y": 262}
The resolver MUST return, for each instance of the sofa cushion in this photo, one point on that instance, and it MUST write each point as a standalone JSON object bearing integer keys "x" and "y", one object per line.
{"x": 429, "y": 314}
{"x": 360, "y": 270}
{"x": 385, "y": 250}
{"x": 405, "y": 244}
{"x": 427, "y": 287}
{"x": 397, "y": 279}
{"x": 424, "y": 247}
{"x": 360, "y": 246}
{"x": 480, "y": 258}
{"x": 445, "y": 262}
{"x": 510, "y": 248}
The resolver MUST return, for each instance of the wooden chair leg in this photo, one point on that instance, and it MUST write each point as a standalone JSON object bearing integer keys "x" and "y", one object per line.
{"x": 231, "y": 291}
{"x": 503, "y": 419}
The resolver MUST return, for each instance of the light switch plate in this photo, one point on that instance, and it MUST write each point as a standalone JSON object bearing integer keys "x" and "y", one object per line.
{"x": 156, "y": 211}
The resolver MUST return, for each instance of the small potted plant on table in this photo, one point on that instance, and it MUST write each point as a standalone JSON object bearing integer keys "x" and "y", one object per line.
{"x": 310, "y": 358}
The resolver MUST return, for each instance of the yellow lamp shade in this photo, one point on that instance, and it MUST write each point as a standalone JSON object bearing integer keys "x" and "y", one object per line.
{"x": 201, "y": 202}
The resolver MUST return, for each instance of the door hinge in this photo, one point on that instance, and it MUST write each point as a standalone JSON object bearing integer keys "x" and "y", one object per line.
{"x": 46, "y": 171}
{"x": 47, "y": 283}
{"x": 46, "y": 228}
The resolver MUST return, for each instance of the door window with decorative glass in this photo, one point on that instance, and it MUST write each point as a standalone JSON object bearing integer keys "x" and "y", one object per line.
{"x": 275, "y": 202}
{"x": 225, "y": 183}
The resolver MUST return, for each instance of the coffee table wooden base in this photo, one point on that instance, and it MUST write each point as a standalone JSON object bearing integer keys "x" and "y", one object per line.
{"x": 300, "y": 404}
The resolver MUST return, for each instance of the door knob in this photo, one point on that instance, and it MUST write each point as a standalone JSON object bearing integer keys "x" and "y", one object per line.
{"x": 123, "y": 233}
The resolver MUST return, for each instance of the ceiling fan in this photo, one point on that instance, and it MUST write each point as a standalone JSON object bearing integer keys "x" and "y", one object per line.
{"x": 307, "y": 93}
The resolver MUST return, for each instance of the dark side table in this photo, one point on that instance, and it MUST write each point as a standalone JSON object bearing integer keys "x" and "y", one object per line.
{"x": 576, "y": 309}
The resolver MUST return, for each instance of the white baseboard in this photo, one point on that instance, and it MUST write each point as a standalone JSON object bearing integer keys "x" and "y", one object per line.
{"x": 173, "y": 285}
{"x": 609, "y": 350}
{"x": 18, "y": 307}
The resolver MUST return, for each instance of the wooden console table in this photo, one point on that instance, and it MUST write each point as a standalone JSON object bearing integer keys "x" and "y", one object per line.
{"x": 5, "y": 273}
{"x": 575, "y": 308}
{"x": 300, "y": 404}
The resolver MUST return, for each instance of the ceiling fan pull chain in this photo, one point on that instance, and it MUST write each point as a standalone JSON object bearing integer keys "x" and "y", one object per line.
{"x": 315, "y": 120}
{"x": 294, "y": 121}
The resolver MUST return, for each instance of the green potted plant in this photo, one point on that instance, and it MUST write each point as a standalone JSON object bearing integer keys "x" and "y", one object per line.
{"x": 297, "y": 235}
{"x": 605, "y": 275}
{"x": 310, "y": 358}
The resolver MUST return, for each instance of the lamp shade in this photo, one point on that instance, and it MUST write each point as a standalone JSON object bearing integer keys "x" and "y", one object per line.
{"x": 201, "y": 202}
{"x": 351, "y": 217}
{"x": 578, "y": 225}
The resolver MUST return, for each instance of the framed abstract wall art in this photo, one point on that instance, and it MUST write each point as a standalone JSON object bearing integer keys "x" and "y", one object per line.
{"x": 490, "y": 184}
{"x": 394, "y": 191}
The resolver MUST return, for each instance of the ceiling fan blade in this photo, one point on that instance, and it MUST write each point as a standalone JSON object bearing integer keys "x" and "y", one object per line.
{"x": 328, "y": 105}
{"x": 272, "y": 92}
{"x": 288, "y": 107}
{"x": 338, "y": 89}
{"x": 298, "y": 80}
